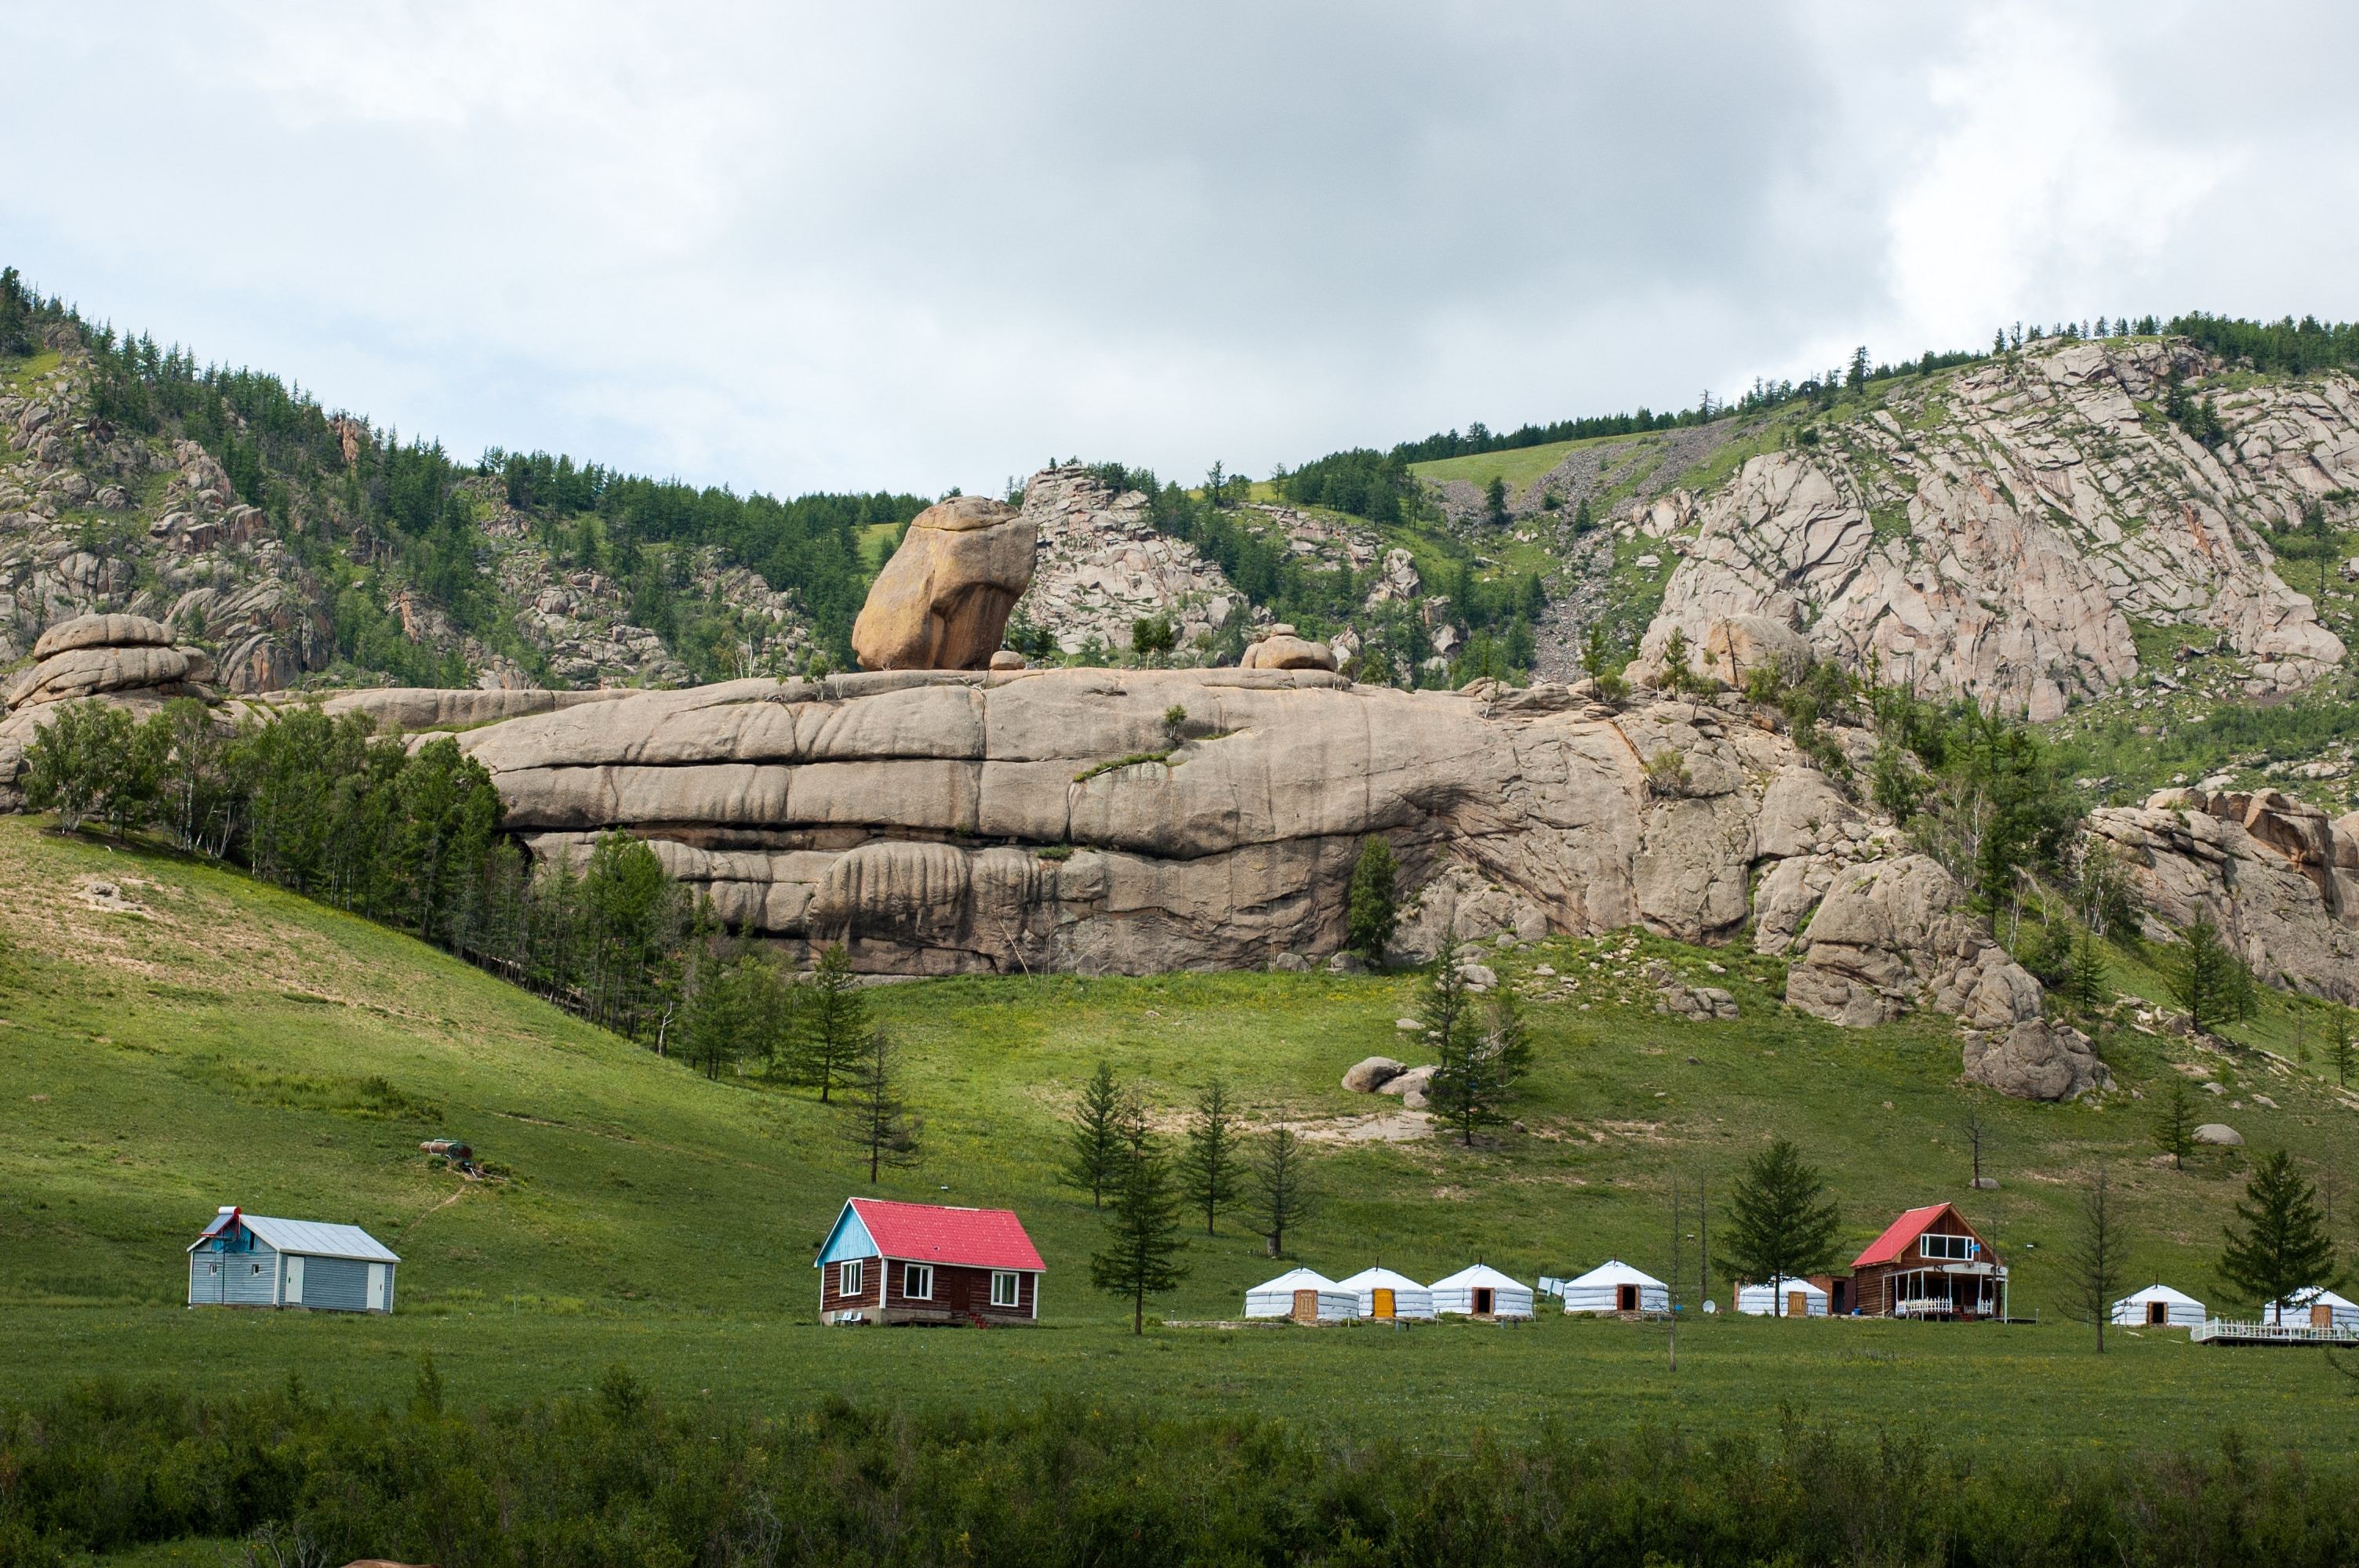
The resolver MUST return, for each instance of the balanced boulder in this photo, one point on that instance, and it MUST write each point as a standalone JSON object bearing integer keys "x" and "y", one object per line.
{"x": 1282, "y": 650}
{"x": 942, "y": 602}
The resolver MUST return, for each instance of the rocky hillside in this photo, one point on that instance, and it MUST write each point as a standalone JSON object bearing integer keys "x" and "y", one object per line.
{"x": 381, "y": 561}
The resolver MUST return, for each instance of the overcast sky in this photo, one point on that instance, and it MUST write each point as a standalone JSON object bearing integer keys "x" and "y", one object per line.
{"x": 788, "y": 247}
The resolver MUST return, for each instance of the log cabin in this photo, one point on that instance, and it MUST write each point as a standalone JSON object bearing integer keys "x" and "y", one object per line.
{"x": 912, "y": 1262}
{"x": 1929, "y": 1263}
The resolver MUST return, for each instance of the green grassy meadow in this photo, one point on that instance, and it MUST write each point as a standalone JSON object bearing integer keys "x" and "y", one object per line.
{"x": 233, "y": 1043}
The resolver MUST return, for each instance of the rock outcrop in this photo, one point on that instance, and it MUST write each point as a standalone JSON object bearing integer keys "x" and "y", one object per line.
{"x": 1043, "y": 819}
{"x": 2277, "y": 877}
{"x": 2036, "y": 1060}
{"x": 1282, "y": 650}
{"x": 1102, "y": 567}
{"x": 1994, "y": 534}
{"x": 126, "y": 660}
{"x": 1890, "y": 934}
{"x": 942, "y": 602}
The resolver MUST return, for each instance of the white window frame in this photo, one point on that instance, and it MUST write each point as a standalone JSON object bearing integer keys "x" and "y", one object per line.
{"x": 851, "y": 1276}
{"x": 1015, "y": 1287}
{"x": 1954, "y": 1248}
{"x": 911, "y": 1275}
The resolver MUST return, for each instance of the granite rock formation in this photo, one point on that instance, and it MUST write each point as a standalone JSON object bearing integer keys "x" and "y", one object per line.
{"x": 942, "y": 602}
{"x": 2036, "y": 1060}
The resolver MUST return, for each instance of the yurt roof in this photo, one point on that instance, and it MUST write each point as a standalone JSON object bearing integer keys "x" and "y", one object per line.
{"x": 1786, "y": 1282}
{"x": 1297, "y": 1280}
{"x": 1481, "y": 1274}
{"x": 2314, "y": 1295}
{"x": 1379, "y": 1280}
{"x": 2161, "y": 1292}
{"x": 1614, "y": 1271}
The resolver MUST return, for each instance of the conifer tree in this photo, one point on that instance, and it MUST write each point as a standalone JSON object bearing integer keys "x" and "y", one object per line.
{"x": 2203, "y": 977}
{"x": 1140, "y": 1259}
{"x": 834, "y": 1026}
{"x": 2282, "y": 1245}
{"x": 1094, "y": 1139}
{"x": 1780, "y": 1225}
{"x": 1373, "y": 909}
{"x": 1210, "y": 1165}
{"x": 2098, "y": 1254}
{"x": 2174, "y": 1123}
{"x": 1481, "y": 1067}
{"x": 1282, "y": 1198}
{"x": 877, "y": 1121}
{"x": 2342, "y": 1053}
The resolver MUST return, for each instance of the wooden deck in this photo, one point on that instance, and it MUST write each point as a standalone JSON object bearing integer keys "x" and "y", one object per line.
{"x": 2220, "y": 1331}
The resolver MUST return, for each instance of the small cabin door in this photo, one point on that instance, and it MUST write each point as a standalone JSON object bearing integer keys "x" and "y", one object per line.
{"x": 2320, "y": 1316}
{"x": 293, "y": 1292}
{"x": 1306, "y": 1306}
{"x": 2158, "y": 1313}
{"x": 1381, "y": 1300}
{"x": 380, "y": 1279}
{"x": 1486, "y": 1301}
{"x": 1798, "y": 1304}
{"x": 1625, "y": 1298}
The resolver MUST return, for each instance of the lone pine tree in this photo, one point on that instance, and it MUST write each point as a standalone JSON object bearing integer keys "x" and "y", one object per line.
{"x": 2281, "y": 1245}
{"x": 1780, "y": 1225}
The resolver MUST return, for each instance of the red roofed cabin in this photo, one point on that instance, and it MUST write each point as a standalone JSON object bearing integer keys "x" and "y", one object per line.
{"x": 1929, "y": 1263}
{"x": 916, "y": 1262}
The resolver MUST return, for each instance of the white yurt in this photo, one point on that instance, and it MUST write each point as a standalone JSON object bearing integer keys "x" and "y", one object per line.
{"x": 1483, "y": 1292}
{"x": 1782, "y": 1297}
{"x": 2158, "y": 1306}
{"x": 1304, "y": 1295}
{"x": 1384, "y": 1294}
{"x": 2313, "y": 1308}
{"x": 1615, "y": 1286}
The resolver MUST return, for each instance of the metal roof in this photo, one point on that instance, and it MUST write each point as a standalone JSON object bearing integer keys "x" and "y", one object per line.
{"x": 311, "y": 1238}
{"x": 935, "y": 1233}
{"x": 1888, "y": 1246}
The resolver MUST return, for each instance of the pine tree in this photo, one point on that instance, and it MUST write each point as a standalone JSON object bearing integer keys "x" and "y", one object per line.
{"x": 2341, "y": 1053}
{"x": 2282, "y": 1245}
{"x": 1210, "y": 1165}
{"x": 876, "y": 1120}
{"x": 1143, "y": 1240}
{"x": 2202, "y": 975}
{"x": 1494, "y": 501}
{"x": 834, "y": 1023}
{"x": 1373, "y": 909}
{"x": 2174, "y": 1123}
{"x": 1094, "y": 1139}
{"x": 2098, "y": 1254}
{"x": 1779, "y": 1226}
{"x": 1282, "y": 1198}
{"x": 2084, "y": 988}
{"x": 1481, "y": 1065}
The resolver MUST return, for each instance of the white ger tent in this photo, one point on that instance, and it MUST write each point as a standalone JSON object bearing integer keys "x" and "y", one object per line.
{"x": 2313, "y": 1308}
{"x": 1782, "y": 1297}
{"x": 1483, "y": 1292}
{"x": 1615, "y": 1286}
{"x": 2159, "y": 1305}
{"x": 1301, "y": 1292}
{"x": 1384, "y": 1294}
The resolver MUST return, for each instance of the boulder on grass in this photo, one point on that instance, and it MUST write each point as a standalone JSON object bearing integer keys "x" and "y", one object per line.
{"x": 2036, "y": 1060}
{"x": 1371, "y": 1074}
{"x": 2220, "y": 1135}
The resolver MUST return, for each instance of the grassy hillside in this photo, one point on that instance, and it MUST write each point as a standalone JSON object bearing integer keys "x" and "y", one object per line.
{"x": 228, "y": 1043}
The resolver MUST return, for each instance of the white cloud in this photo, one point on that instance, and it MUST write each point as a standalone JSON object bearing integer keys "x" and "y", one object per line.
{"x": 919, "y": 244}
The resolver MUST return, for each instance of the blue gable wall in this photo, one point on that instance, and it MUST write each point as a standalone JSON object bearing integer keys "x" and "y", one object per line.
{"x": 849, "y": 1240}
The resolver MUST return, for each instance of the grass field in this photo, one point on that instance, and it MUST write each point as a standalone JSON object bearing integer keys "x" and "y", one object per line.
{"x": 1519, "y": 466}
{"x": 234, "y": 1044}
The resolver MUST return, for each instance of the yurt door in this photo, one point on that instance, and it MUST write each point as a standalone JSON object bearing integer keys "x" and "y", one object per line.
{"x": 1625, "y": 1298}
{"x": 2320, "y": 1316}
{"x": 1485, "y": 1301}
{"x": 2158, "y": 1313}
{"x": 1798, "y": 1304}
{"x": 1306, "y": 1306}
{"x": 1382, "y": 1300}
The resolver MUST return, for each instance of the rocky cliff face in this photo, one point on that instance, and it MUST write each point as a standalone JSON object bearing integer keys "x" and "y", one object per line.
{"x": 943, "y": 822}
{"x": 1998, "y": 532}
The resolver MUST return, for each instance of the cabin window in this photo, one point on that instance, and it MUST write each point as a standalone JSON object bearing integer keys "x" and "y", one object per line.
{"x": 1007, "y": 1287}
{"x": 253, "y": 1267}
{"x": 1945, "y": 1247}
{"x": 917, "y": 1282}
{"x": 851, "y": 1277}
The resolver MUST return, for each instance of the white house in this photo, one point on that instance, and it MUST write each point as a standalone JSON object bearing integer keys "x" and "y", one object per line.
{"x": 1482, "y": 1291}
{"x": 1384, "y": 1295}
{"x": 1615, "y": 1286}
{"x": 2316, "y": 1307}
{"x": 1782, "y": 1297}
{"x": 1303, "y": 1295}
{"x": 2160, "y": 1306}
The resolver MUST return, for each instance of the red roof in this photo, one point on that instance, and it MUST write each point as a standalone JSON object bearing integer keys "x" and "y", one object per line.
{"x": 931, "y": 1233}
{"x": 1888, "y": 1246}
